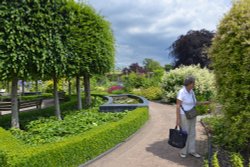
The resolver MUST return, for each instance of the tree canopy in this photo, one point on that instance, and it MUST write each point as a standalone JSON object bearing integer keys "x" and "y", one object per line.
{"x": 52, "y": 39}
{"x": 91, "y": 43}
{"x": 191, "y": 48}
{"x": 151, "y": 65}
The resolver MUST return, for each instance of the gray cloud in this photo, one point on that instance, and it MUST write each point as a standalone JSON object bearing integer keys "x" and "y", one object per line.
{"x": 145, "y": 29}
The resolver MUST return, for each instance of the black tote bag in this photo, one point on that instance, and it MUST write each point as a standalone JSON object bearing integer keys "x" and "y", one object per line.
{"x": 177, "y": 138}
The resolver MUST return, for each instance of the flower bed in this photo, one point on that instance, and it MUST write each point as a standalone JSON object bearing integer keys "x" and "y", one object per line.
{"x": 48, "y": 130}
{"x": 73, "y": 150}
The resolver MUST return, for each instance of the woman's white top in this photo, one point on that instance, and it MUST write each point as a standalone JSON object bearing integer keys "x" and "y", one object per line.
{"x": 188, "y": 99}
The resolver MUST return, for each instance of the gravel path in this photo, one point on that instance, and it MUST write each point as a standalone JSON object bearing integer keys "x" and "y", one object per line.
{"x": 149, "y": 148}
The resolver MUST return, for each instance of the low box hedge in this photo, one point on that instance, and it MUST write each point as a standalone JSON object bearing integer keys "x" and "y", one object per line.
{"x": 25, "y": 117}
{"x": 74, "y": 150}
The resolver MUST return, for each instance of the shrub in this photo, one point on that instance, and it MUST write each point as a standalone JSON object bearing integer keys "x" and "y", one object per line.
{"x": 47, "y": 130}
{"x": 215, "y": 161}
{"x": 231, "y": 59}
{"x": 31, "y": 97}
{"x": 151, "y": 93}
{"x": 134, "y": 80}
{"x": 74, "y": 150}
{"x": 173, "y": 82}
{"x": 236, "y": 160}
{"x": 26, "y": 117}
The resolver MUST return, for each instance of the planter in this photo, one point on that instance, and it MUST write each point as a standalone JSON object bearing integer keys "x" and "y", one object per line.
{"x": 113, "y": 106}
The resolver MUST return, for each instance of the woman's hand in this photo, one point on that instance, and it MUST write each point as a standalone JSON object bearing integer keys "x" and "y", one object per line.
{"x": 204, "y": 103}
{"x": 178, "y": 122}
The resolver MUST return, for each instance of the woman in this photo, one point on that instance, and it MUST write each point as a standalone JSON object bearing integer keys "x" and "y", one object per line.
{"x": 186, "y": 100}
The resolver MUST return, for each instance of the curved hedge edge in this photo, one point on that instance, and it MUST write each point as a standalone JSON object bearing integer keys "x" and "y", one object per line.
{"x": 8, "y": 143}
{"x": 79, "y": 149}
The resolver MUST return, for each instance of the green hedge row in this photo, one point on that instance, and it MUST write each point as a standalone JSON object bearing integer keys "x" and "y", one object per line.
{"x": 30, "y": 97}
{"x": 72, "y": 151}
{"x": 26, "y": 117}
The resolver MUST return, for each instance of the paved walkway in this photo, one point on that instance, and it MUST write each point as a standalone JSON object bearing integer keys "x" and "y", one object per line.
{"x": 149, "y": 148}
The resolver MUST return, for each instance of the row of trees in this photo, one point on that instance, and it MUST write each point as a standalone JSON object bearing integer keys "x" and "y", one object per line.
{"x": 149, "y": 65}
{"x": 51, "y": 39}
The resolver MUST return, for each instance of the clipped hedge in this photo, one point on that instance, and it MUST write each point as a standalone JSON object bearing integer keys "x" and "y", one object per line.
{"x": 230, "y": 59}
{"x": 72, "y": 151}
{"x": 25, "y": 117}
{"x": 30, "y": 97}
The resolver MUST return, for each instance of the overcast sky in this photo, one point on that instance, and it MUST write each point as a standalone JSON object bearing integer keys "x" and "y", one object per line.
{"x": 146, "y": 28}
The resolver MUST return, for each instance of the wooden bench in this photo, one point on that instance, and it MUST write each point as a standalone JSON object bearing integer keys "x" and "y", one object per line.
{"x": 6, "y": 106}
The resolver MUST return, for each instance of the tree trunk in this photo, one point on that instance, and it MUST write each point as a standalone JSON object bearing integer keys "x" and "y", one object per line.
{"x": 56, "y": 99}
{"x": 87, "y": 90}
{"x": 8, "y": 87}
{"x": 14, "y": 106}
{"x": 78, "y": 91}
{"x": 22, "y": 87}
{"x": 69, "y": 88}
{"x": 37, "y": 87}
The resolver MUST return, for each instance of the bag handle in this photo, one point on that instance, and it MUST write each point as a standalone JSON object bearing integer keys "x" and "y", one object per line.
{"x": 176, "y": 127}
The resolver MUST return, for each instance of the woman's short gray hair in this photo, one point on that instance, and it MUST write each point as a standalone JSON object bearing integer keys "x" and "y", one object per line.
{"x": 189, "y": 80}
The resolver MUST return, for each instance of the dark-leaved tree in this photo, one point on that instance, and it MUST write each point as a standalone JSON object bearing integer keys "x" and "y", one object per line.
{"x": 192, "y": 48}
{"x": 134, "y": 67}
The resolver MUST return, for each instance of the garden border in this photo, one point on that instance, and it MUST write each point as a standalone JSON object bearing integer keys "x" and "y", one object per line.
{"x": 84, "y": 147}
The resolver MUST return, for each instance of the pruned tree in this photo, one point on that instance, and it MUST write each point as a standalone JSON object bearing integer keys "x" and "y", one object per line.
{"x": 192, "y": 48}
{"x": 18, "y": 47}
{"x": 51, "y": 26}
{"x": 91, "y": 44}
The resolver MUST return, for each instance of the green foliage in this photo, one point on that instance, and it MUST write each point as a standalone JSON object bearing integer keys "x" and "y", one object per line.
{"x": 204, "y": 83}
{"x": 134, "y": 80}
{"x": 26, "y": 117}
{"x": 231, "y": 59}
{"x": 217, "y": 129}
{"x": 168, "y": 67}
{"x": 118, "y": 92}
{"x": 151, "y": 93}
{"x": 74, "y": 150}
{"x": 33, "y": 97}
{"x": 151, "y": 65}
{"x": 236, "y": 160}
{"x": 48, "y": 86}
{"x": 215, "y": 161}
{"x": 47, "y": 130}
{"x": 90, "y": 40}
{"x": 15, "y": 40}
{"x": 30, "y": 97}
{"x": 205, "y": 163}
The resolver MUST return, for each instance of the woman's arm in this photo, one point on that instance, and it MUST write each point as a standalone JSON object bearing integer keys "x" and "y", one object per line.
{"x": 178, "y": 106}
{"x": 203, "y": 103}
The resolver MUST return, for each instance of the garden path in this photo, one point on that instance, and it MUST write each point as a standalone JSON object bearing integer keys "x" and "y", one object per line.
{"x": 149, "y": 148}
